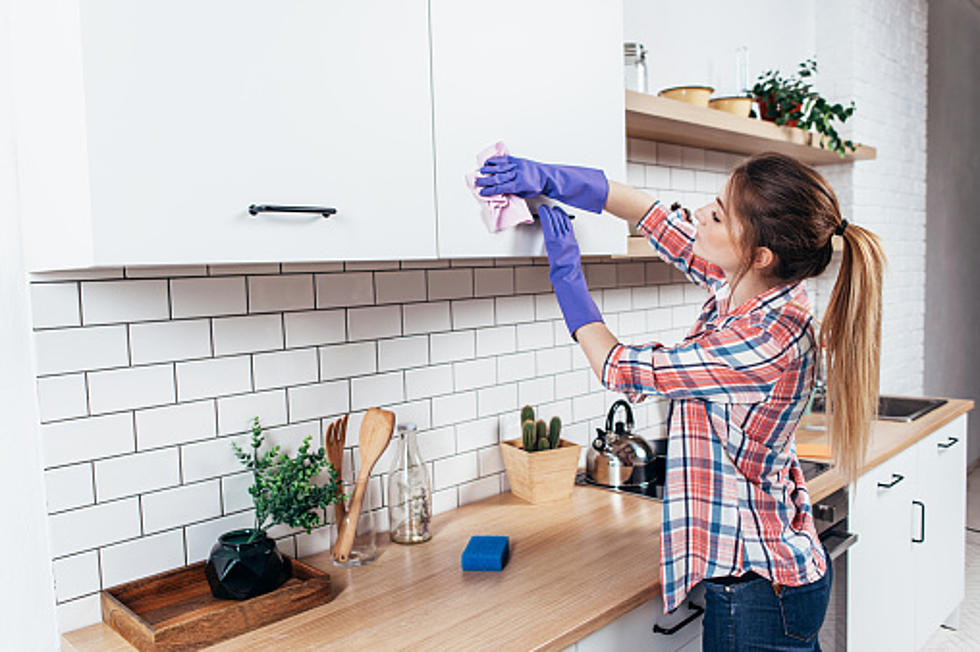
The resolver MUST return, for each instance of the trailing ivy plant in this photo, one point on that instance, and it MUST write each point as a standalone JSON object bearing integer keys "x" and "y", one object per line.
{"x": 792, "y": 101}
{"x": 283, "y": 491}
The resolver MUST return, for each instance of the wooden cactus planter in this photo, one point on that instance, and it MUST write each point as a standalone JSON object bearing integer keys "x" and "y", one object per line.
{"x": 541, "y": 476}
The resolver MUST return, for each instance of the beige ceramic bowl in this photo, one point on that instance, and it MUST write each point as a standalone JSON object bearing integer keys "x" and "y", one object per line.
{"x": 733, "y": 104}
{"x": 691, "y": 94}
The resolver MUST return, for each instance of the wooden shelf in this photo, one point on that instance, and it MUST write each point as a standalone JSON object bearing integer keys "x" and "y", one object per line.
{"x": 670, "y": 121}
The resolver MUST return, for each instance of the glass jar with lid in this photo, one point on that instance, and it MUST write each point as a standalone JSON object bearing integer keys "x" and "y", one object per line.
{"x": 409, "y": 490}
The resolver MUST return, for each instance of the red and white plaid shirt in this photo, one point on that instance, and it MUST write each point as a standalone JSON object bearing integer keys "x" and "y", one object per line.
{"x": 735, "y": 499}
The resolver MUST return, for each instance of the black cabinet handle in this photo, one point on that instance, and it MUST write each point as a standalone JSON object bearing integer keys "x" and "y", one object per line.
{"x": 949, "y": 444}
{"x": 696, "y": 611}
{"x": 255, "y": 209}
{"x": 922, "y": 539}
{"x": 896, "y": 478}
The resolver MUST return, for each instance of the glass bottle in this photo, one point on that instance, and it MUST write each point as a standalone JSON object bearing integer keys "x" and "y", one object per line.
{"x": 409, "y": 491}
{"x": 635, "y": 67}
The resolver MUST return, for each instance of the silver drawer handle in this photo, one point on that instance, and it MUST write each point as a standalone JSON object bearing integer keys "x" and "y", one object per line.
{"x": 255, "y": 209}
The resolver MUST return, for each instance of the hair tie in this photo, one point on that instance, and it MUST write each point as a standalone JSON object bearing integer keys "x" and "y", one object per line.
{"x": 840, "y": 228}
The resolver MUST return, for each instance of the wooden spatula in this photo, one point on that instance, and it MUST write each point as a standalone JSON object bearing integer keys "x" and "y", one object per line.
{"x": 376, "y": 429}
{"x": 336, "y": 435}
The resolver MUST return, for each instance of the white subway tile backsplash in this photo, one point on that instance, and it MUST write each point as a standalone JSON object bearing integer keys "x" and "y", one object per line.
{"x": 511, "y": 310}
{"x": 315, "y": 327}
{"x": 515, "y": 366}
{"x": 531, "y": 279}
{"x": 279, "y": 293}
{"x": 175, "y": 424}
{"x": 493, "y": 281}
{"x": 345, "y": 360}
{"x": 474, "y": 373}
{"x": 470, "y": 492}
{"x": 536, "y": 390}
{"x": 149, "y": 555}
{"x": 234, "y": 492}
{"x": 319, "y": 400}
{"x": 546, "y": 307}
{"x": 80, "y": 349}
{"x": 658, "y": 176}
{"x": 403, "y": 352}
{"x": 437, "y": 443}
{"x": 494, "y": 400}
{"x": 448, "y": 347}
{"x": 535, "y": 335}
{"x": 347, "y": 289}
{"x": 428, "y": 381}
{"x": 668, "y": 154}
{"x": 107, "y": 302}
{"x": 235, "y": 413}
{"x": 91, "y": 527}
{"x": 490, "y": 460}
{"x": 213, "y": 377}
{"x": 426, "y": 318}
{"x": 455, "y": 470}
{"x": 473, "y": 435}
{"x": 80, "y": 440}
{"x": 553, "y": 361}
{"x": 374, "y": 323}
{"x": 74, "y": 614}
{"x": 472, "y": 313}
{"x": 453, "y": 408}
{"x": 401, "y": 286}
{"x": 201, "y": 297}
{"x": 55, "y": 304}
{"x": 284, "y": 368}
{"x": 572, "y": 383}
{"x": 247, "y": 334}
{"x": 450, "y": 284}
{"x": 69, "y": 487}
{"x": 496, "y": 341}
{"x": 170, "y": 340}
{"x": 173, "y": 508}
{"x": 61, "y": 397}
{"x": 118, "y": 477}
{"x": 211, "y": 458}
{"x": 616, "y": 300}
{"x": 380, "y": 389}
{"x": 76, "y": 575}
{"x": 135, "y": 387}
{"x": 600, "y": 275}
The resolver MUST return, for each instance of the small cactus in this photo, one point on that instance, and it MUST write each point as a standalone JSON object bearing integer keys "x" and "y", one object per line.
{"x": 527, "y": 413}
{"x": 554, "y": 431}
{"x": 528, "y": 433}
{"x": 544, "y": 444}
{"x": 541, "y": 432}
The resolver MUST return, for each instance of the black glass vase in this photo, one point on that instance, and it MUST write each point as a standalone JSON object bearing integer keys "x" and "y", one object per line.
{"x": 239, "y": 569}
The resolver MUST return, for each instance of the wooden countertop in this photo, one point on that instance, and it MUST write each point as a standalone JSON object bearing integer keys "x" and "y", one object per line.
{"x": 575, "y": 566}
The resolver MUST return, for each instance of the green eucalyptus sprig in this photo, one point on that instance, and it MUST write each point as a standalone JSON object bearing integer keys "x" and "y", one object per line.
{"x": 283, "y": 490}
{"x": 792, "y": 100}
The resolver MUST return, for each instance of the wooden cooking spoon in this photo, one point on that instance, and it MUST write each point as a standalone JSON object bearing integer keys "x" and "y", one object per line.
{"x": 336, "y": 435}
{"x": 376, "y": 429}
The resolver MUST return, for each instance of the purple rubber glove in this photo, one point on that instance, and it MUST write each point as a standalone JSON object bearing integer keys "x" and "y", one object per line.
{"x": 566, "y": 276}
{"x": 585, "y": 188}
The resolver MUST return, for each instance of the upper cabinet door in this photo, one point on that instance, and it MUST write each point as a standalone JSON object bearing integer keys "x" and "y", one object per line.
{"x": 544, "y": 77}
{"x": 146, "y": 130}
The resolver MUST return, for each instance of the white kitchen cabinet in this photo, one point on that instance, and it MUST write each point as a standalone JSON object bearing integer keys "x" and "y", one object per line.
{"x": 904, "y": 580}
{"x": 635, "y": 630}
{"x": 545, "y": 78}
{"x": 146, "y": 130}
{"x": 879, "y": 591}
{"x": 939, "y": 521}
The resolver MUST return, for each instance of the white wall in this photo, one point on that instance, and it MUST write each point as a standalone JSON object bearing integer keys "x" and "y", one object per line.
{"x": 26, "y": 602}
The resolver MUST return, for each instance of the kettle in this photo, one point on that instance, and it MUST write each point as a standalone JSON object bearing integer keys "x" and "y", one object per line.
{"x": 617, "y": 457}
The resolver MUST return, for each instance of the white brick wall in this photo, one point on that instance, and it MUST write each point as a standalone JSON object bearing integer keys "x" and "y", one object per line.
{"x": 147, "y": 375}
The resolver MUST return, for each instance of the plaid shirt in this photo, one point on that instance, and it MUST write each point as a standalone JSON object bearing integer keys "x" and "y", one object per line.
{"x": 735, "y": 499}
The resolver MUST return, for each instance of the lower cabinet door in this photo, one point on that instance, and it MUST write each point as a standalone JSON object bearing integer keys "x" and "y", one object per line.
{"x": 879, "y": 591}
{"x": 938, "y": 522}
{"x": 635, "y": 630}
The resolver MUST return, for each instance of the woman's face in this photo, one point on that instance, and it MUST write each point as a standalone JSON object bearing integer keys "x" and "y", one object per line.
{"x": 717, "y": 230}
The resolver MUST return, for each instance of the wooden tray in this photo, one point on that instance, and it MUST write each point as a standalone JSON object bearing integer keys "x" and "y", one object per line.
{"x": 176, "y": 611}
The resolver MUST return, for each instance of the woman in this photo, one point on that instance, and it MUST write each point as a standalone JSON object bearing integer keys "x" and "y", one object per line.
{"x": 736, "y": 512}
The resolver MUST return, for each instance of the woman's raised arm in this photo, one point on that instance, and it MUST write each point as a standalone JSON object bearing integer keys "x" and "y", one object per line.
{"x": 628, "y": 203}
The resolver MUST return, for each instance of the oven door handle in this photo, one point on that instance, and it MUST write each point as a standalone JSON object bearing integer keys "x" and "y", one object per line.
{"x": 847, "y": 539}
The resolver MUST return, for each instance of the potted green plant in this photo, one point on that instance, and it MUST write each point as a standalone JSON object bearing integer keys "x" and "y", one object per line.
{"x": 540, "y": 465}
{"x": 791, "y": 101}
{"x": 245, "y": 563}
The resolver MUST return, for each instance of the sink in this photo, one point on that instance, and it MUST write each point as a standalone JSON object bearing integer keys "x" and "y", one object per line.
{"x": 897, "y": 408}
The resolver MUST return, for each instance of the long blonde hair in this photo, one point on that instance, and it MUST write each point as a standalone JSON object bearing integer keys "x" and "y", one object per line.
{"x": 790, "y": 208}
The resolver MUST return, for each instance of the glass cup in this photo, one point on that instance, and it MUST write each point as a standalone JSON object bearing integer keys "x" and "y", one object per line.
{"x": 365, "y": 547}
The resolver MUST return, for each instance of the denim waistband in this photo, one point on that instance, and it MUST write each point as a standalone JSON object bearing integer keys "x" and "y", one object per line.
{"x": 728, "y": 580}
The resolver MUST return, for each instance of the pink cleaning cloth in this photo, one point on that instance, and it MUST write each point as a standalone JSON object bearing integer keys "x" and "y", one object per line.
{"x": 499, "y": 211}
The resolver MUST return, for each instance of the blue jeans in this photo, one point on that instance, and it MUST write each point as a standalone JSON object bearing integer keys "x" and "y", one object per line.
{"x": 750, "y": 616}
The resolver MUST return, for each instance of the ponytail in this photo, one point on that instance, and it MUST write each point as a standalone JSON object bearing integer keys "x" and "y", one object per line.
{"x": 851, "y": 336}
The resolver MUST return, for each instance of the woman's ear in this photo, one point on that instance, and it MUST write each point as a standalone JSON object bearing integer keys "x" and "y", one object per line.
{"x": 764, "y": 258}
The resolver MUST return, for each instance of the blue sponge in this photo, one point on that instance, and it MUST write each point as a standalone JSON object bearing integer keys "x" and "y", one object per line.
{"x": 484, "y": 553}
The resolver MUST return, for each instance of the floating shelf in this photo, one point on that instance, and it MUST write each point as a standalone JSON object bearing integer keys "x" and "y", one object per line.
{"x": 671, "y": 121}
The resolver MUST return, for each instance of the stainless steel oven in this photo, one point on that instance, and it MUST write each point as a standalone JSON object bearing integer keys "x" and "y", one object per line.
{"x": 830, "y": 518}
